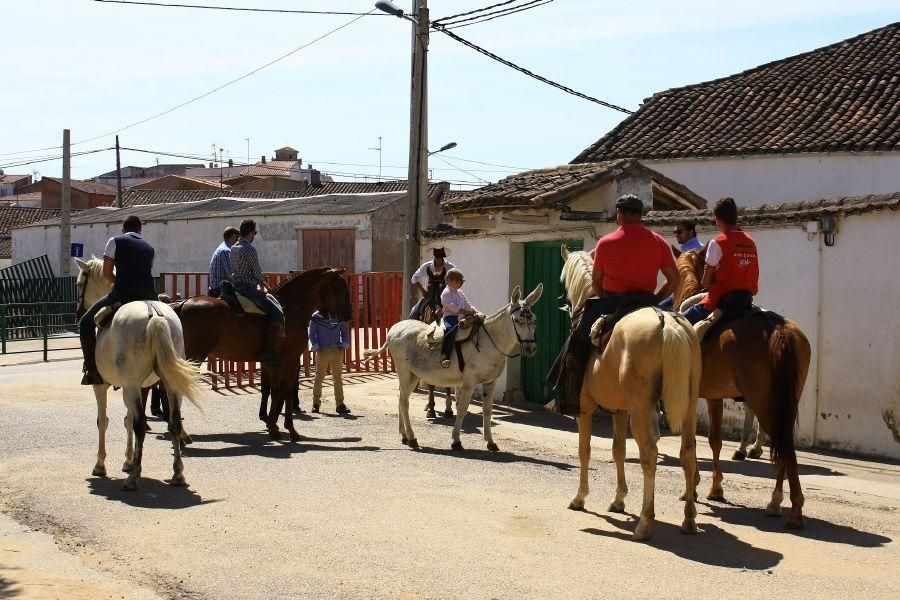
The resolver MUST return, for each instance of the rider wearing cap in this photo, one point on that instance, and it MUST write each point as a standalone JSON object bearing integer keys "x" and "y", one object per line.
{"x": 432, "y": 272}
{"x": 127, "y": 264}
{"x": 731, "y": 273}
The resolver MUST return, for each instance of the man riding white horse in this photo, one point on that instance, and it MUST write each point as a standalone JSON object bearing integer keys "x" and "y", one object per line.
{"x": 626, "y": 265}
{"x": 127, "y": 264}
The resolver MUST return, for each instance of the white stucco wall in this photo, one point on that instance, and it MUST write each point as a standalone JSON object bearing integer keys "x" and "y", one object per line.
{"x": 188, "y": 245}
{"x": 755, "y": 180}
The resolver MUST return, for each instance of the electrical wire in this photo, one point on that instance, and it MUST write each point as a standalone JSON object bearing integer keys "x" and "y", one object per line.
{"x": 531, "y": 5}
{"x": 440, "y": 158}
{"x": 52, "y": 158}
{"x": 236, "y": 8}
{"x": 531, "y": 74}
{"x": 472, "y": 12}
{"x": 487, "y": 15}
{"x": 479, "y": 162}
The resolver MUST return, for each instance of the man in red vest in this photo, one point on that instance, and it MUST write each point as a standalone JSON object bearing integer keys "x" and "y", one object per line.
{"x": 731, "y": 273}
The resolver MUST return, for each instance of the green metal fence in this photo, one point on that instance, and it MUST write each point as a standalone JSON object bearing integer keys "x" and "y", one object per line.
{"x": 20, "y": 322}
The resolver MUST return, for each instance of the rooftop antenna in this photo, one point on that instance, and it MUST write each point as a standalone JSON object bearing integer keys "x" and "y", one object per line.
{"x": 379, "y": 156}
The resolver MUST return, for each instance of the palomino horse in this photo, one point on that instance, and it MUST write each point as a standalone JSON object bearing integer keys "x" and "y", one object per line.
{"x": 211, "y": 328}
{"x": 431, "y": 313}
{"x": 650, "y": 354}
{"x": 141, "y": 346}
{"x": 766, "y": 362}
{"x": 415, "y": 358}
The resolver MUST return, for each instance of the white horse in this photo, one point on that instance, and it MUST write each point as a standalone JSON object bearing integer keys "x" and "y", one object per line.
{"x": 416, "y": 358}
{"x": 142, "y": 345}
{"x": 650, "y": 355}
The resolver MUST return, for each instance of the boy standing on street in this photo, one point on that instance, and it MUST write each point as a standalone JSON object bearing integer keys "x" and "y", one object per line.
{"x": 329, "y": 338}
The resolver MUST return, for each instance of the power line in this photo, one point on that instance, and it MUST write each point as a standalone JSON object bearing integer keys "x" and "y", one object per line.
{"x": 505, "y": 13}
{"x": 236, "y": 8}
{"x": 52, "y": 158}
{"x": 490, "y": 15}
{"x": 531, "y": 74}
{"x": 440, "y": 158}
{"x": 472, "y": 12}
{"x": 479, "y": 162}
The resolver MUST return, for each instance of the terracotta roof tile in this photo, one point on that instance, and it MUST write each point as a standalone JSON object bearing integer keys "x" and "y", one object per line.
{"x": 5, "y": 246}
{"x": 89, "y": 187}
{"x": 843, "y": 97}
{"x": 17, "y": 216}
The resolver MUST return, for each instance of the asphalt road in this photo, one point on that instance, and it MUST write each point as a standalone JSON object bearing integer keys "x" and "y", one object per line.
{"x": 350, "y": 512}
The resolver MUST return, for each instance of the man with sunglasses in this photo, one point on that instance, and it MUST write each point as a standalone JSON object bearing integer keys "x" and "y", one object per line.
{"x": 686, "y": 235}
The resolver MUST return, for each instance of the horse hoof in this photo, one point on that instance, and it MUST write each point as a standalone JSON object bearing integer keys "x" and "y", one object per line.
{"x": 689, "y": 527}
{"x": 295, "y": 437}
{"x": 493, "y": 447}
{"x": 414, "y": 443}
{"x": 274, "y": 434}
{"x": 794, "y": 524}
{"x": 576, "y": 504}
{"x": 430, "y": 414}
{"x": 404, "y": 441}
{"x": 641, "y": 533}
{"x": 186, "y": 440}
{"x": 755, "y": 453}
{"x": 738, "y": 455}
{"x": 683, "y": 497}
{"x": 617, "y": 507}
{"x": 129, "y": 486}
{"x": 456, "y": 446}
{"x": 716, "y": 496}
{"x": 179, "y": 481}
{"x": 448, "y": 414}
{"x": 99, "y": 472}
{"x": 126, "y": 468}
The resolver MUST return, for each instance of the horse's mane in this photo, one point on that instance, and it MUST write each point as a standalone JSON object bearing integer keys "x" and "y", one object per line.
{"x": 576, "y": 276}
{"x": 95, "y": 267}
{"x": 303, "y": 276}
{"x": 690, "y": 272}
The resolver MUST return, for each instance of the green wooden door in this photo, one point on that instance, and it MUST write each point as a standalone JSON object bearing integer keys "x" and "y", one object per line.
{"x": 543, "y": 264}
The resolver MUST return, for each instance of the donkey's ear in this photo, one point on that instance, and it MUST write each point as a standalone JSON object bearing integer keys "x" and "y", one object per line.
{"x": 534, "y": 296}
{"x": 339, "y": 270}
{"x": 564, "y": 252}
{"x": 81, "y": 264}
{"x": 675, "y": 251}
{"x": 516, "y": 295}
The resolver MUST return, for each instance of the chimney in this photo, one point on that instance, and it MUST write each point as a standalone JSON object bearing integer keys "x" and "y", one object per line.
{"x": 210, "y": 165}
{"x": 263, "y": 159}
{"x": 315, "y": 178}
{"x": 230, "y": 162}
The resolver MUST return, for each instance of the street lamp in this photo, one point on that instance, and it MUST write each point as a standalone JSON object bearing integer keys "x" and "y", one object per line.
{"x": 417, "y": 186}
{"x": 449, "y": 146}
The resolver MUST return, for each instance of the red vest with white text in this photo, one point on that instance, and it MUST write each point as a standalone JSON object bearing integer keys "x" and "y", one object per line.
{"x": 737, "y": 270}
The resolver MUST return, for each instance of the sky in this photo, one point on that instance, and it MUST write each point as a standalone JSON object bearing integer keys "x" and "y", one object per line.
{"x": 97, "y": 67}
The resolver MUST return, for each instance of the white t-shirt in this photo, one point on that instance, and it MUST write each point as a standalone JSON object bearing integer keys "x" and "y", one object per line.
{"x": 110, "y": 250}
{"x": 713, "y": 253}
{"x": 421, "y": 276}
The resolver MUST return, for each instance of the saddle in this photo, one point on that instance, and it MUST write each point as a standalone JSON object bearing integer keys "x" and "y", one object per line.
{"x": 466, "y": 329}
{"x": 732, "y": 306}
{"x": 104, "y": 316}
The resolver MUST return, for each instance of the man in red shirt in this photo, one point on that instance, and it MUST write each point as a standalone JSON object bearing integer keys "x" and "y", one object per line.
{"x": 731, "y": 273}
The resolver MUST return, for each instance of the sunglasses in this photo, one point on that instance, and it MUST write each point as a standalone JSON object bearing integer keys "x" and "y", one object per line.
{"x": 677, "y": 231}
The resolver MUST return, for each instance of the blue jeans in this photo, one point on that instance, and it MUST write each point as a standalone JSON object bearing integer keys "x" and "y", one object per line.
{"x": 667, "y": 303}
{"x": 265, "y": 304}
{"x": 696, "y": 313}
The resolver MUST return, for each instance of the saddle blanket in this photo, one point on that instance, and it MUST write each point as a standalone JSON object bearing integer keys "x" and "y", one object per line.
{"x": 250, "y": 308}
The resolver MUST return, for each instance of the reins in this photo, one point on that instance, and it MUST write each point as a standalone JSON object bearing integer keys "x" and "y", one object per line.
{"x": 515, "y": 329}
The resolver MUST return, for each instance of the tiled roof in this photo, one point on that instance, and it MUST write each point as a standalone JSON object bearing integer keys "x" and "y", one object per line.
{"x": 208, "y": 182}
{"x": 554, "y": 186}
{"x": 789, "y": 212}
{"x": 446, "y": 231}
{"x": 21, "y": 198}
{"x": 133, "y": 197}
{"x": 88, "y": 187}
{"x": 336, "y": 204}
{"x": 843, "y": 97}
{"x": 12, "y": 217}
{"x": 273, "y": 167}
{"x": 5, "y": 246}
{"x": 287, "y": 149}
{"x": 12, "y": 178}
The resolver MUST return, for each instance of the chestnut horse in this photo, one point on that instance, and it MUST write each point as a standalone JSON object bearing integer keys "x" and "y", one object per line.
{"x": 211, "y": 328}
{"x": 766, "y": 362}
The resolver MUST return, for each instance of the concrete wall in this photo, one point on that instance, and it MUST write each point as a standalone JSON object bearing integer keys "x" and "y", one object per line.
{"x": 756, "y": 180}
{"x": 188, "y": 245}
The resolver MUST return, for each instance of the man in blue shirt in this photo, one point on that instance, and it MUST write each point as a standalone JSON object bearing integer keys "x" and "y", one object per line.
{"x": 686, "y": 235}
{"x": 248, "y": 281}
{"x": 329, "y": 338}
{"x": 220, "y": 267}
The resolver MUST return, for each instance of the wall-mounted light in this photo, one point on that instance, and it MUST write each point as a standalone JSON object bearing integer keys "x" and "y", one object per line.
{"x": 829, "y": 228}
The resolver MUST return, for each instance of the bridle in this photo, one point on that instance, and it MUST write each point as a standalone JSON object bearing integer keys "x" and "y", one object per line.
{"x": 519, "y": 339}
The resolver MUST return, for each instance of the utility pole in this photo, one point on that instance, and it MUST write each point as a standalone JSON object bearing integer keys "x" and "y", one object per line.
{"x": 65, "y": 230}
{"x": 417, "y": 187}
{"x": 118, "y": 176}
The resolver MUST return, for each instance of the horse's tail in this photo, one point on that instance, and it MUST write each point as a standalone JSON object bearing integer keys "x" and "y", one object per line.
{"x": 785, "y": 396}
{"x": 370, "y": 354}
{"x": 179, "y": 376}
{"x": 680, "y": 373}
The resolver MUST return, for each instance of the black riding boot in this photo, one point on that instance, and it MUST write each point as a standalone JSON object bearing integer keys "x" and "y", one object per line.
{"x": 89, "y": 349}
{"x": 268, "y": 353}
{"x": 447, "y": 346}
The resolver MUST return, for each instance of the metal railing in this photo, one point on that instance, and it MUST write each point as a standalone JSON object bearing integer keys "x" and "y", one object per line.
{"x": 44, "y": 321}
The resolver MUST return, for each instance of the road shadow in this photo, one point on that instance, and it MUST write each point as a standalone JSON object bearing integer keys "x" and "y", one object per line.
{"x": 258, "y": 443}
{"x": 496, "y": 457}
{"x": 9, "y": 587}
{"x": 711, "y": 546}
{"x": 151, "y": 493}
{"x": 814, "y": 529}
{"x": 751, "y": 468}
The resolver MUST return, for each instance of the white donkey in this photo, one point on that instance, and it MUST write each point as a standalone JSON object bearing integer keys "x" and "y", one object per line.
{"x": 416, "y": 358}
{"x": 143, "y": 344}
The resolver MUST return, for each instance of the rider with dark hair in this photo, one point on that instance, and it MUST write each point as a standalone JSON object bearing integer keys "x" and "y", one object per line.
{"x": 127, "y": 264}
{"x": 248, "y": 281}
{"x": 430, "y": 279}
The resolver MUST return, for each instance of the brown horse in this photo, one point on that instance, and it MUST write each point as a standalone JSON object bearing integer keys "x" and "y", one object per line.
{"x": 211, "y": 328}
{"x": 765, "y": 361}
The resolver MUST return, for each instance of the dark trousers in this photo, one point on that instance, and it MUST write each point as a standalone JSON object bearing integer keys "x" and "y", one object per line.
{"x": 451, "y": 325}
{"x": 273, "y": 312}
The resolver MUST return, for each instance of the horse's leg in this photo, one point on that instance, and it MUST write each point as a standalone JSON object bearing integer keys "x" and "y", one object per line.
{"x": 741, "y": 453}
{"x": 757, "y": 449}
{"x": 464, "y": 396}
{"x": 688, "y": 457}
{"x": 276, "y": 402}
{"x": 429, "y": 408}
{"x": 288, "y": 396}
{"x": 129, "y": 439}
{"x": 715, "y": 443}
{"x": 100, "y": 392}
{"x": 585, "y": 424}
{"x": 408, "y": 382}
{"x": 132, "y": 397}
{"x": 264, "y": 399}
{"x": 448, "y": 406}
{"x": 177, "y": 432}
{"x": 774, "y": 507}
{"x": 795, "y": 520}
{"x": 620, "y": 432}
{"x": 644, "y": 430}
{"x": 487, "y": 411}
